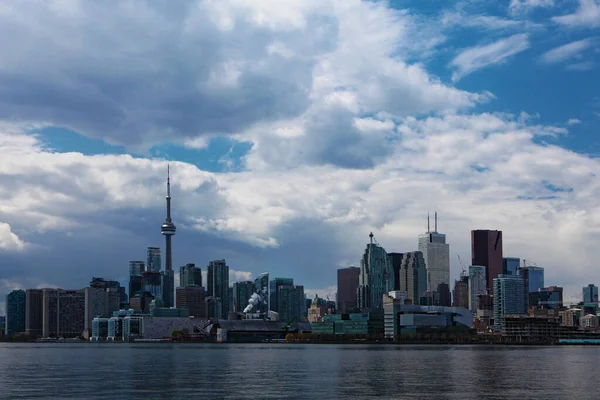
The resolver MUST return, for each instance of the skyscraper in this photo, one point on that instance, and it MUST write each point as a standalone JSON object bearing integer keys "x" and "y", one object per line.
{"x": 217, "y": 284}
{"x": 486, "y": 250}
{"x": 460, "y": 294}
{"x": 153, "y": 259}
{"x": 64, "y": 312}
{"x": 190, "y": 275}
{"x": 16, "y": 309}
{"x": 347, "y": 284}
{"x": 242, "y": 291}
{"x": 477, "y": 285}
{"x": 413, "y": 276}
{"x": 34, "y": 311}
{"x": 533, "y": 279}
{"x": 590, "y": 294}
{"x": 436, "y": 253}
{"x": 136, "y": 268}
{"x": 374, "y": 277}
{"x": 262, "y": 289}
{"x": 192, "y": 298}
{"x": 509, "y": 298}
{"x": 510, "y": 265}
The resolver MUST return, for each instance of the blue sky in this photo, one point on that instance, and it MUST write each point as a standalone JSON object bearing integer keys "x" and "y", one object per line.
{"x": 294, "y": 131}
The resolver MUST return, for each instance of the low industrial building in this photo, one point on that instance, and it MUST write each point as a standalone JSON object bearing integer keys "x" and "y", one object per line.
{"x": 353, "y": 324}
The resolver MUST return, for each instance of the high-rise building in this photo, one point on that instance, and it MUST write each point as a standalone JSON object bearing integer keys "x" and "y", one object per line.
{"x": 193, "y": 298}
{"x": 108, "y": 284}
{"x": 510, "y": 265}
{"x": 214, "y": 307}
{"x": 64, "y": 312}
{"x": 190, "y": 275}
{"x": 242, "y": 291}
{"x": 548, "y": 297}
{"x": 217, "y": 285}
{"x": 262, "y": 289}
{"x": 394, "y": 265}
{"x": 590, "y": 294}
{"x": 153, "y": 259}
{"x": 486, "y": 250}
{"x": 347, "y": 284}
{"x": 16, "y": 311}
{"x": 34, "y": 313}
{"x": 509, "y": 298}
{"x": 136, "y": 268}
{"x": 274, "y": 286}
{"x": 436, "y": 253}
{"x": 533, "y": 278}
{"x": 100, "y": 301}
{"x": 374, "y": 278}
{"x": 291, "y": 302}
{"x": 460, "y": 294}
{"x": 152, "y": 282}
{"x": 445, "y": 297}
{"x": 477, "y": 285}
{"x": 413, "y": 276}
{"x": 168, "y": 229}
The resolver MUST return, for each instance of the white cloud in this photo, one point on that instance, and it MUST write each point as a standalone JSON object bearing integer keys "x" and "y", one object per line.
{"x": 522, "y": 6}
{"x": 573, "y": 121}
{"x": 328, "y": 292}
{"x": 238, "y": 276}
{"x": 478, "y": 57}
{"x": 581, "y": 66}
{"x": 567, "y": 51}
{"x": 9, "y": 240}
{"x": 587, "y": 15}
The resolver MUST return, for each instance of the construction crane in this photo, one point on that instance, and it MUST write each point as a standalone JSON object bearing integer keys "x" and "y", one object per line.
{"x": 462, "y": 266}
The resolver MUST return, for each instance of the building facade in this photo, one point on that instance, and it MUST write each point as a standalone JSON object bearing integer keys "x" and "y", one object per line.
{"x": 477, "y": 284}
{"x": 136, "y": 268}
{"x": 374, "y": 278}
{"x": 436, "y": 253}
{"x": 16, "y": 311}
{"x": 242, "y": 291}
{"x": 262, "y": 290}
{"x": 217, "y": 285}
{"x": 153, "y": 259}
{"x": 486, "y": 250}
{"x": 190, "y": 275}
{"x": 510, "y": 265}
{"x": 347, "y": 285}
{"x": 274, "y": 286}
{"x": 460, "y": 294}
{"x": 413, "y": 276}
{"x": 193, "y": 298}
{"x": 590, "y": 294}
{"x": 34, "y": 311}
{"x": 509, "y": 298}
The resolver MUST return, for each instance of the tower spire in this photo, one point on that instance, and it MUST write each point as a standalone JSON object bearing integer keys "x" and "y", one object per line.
{"x": 428, "y": 229}
{"x": 435, "y": 224}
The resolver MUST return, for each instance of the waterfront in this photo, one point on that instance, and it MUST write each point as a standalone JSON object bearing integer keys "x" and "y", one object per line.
{"x": 286, "y": 371}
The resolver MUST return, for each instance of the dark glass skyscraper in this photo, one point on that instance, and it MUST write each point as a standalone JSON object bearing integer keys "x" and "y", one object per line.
{"x": 374, "y": 278}
{"x": 242, "y": 291}
{"x": 15, "y": 312}
{"x": 190, "y": 275}
{"x": 486, "y": 250}
{"x": 217, "y": 286}
{"x": 262, "y": 289}
{"x": 510, "y": 265}
{"x": 136, "y": 268}
{"x": 347, "y": 284}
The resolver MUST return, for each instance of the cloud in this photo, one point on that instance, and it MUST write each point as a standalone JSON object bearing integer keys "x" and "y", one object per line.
{"x": 581, "y": 66}
{"x": 567, "y": 51}
{"x": 330, "y": 291}
{"x": 475, "y": 58}
{"x": 573, "y": 121}
{"x": 587, "y": 15}
{"x": 238, "y": 276}
{"x": 9, "y": 240}
{"x": 523, "y": 6}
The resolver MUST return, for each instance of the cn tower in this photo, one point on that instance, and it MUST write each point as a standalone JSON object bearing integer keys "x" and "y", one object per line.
{"x": 168, "y": 227}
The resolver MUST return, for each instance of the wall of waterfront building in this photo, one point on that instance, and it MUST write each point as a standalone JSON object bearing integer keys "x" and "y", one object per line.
{"x": 16, "y": 309}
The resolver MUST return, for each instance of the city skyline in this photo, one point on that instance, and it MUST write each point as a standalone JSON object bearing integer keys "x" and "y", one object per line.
{"x": 301, "y": 129}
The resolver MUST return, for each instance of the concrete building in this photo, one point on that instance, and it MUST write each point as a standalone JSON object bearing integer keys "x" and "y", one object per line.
{"x": 190, "y": 275}
{"x": 317, "y": 310}
{"x": 102, "y": 283}
{"x": 168, "y": 230}
{"x": 413, "y": 276}
{"x": 374, "y": 278}
{"x": 509, "y": 298}
{"x": 217, "y": 285}
{"x": 242, "y": 291}
{"x": 152, "y": 282}
{"x": 510, "y": 265}
{"x": 291, "y": 302}
{"x": 34, "y": 311}
{"x": 16, "y": 312}
{"x": 347, "y": 285}
{"x": 590, "y": 321}
{"x": 100, "y": 302}
{"x": 477, "y": 285}
{"x": 193, "y": 298}
{"x": 436, "y": 253}
{"x": 486, "y": 250}
{"x": 141, "y": 301}
{"x": 64, "y": 313}
{"x": 570, "y": 317}
{"x": 460, "y": 294}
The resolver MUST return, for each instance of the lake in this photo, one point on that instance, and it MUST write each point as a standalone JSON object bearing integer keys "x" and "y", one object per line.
{"x": 295, "y": 371}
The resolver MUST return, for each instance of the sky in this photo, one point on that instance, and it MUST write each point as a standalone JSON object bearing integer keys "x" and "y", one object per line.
{"x": 293, "y": 129}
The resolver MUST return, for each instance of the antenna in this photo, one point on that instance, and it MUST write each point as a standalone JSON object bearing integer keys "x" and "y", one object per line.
{"x": 371, "y": 237}
{"x": 428, "y": 230}
{"x": 435, "y": 225}
{"x": 168, "y": 180}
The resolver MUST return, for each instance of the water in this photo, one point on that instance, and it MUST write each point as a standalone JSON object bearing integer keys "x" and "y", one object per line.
{"x": 285, "y": 371}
